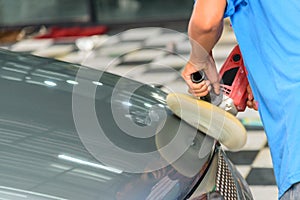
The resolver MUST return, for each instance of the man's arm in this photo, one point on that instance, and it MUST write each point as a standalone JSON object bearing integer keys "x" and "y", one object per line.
{"x": 205, "y": 29}
{"x": 206, "y": 23}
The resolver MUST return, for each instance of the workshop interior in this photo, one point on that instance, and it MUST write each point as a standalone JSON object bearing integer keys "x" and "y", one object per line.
{"x": 94, "y": 107}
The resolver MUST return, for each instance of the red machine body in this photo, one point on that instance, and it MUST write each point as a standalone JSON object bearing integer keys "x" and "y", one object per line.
{"x": 234, "y": 79}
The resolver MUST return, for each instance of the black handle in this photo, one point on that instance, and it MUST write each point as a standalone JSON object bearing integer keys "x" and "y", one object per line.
{"x": 212, "y": 97}
{"x": 198, "y": 77}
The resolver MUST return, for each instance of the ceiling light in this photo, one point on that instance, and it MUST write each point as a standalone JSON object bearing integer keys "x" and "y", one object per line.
{"x": 50, "y": 83}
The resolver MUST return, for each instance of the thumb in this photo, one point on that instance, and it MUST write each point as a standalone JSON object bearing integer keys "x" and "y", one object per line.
{"x": 213, "y": 76}
{"x": 216, "y": 87}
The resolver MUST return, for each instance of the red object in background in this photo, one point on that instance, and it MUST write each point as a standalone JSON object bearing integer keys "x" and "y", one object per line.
{"x": 77, "y": 31}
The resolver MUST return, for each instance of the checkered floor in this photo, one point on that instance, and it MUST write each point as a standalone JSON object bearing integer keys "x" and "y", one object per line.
{"x": 156, "y": 56}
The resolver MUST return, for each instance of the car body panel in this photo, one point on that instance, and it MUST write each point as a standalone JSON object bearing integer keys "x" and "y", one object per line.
{"x": 46, "y": 154}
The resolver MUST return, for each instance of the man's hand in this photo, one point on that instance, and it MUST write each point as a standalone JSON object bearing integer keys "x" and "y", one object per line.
{"x": 202, "y": 89}
{"x": 205, "y": 29}
{"x": 251, "y": 103}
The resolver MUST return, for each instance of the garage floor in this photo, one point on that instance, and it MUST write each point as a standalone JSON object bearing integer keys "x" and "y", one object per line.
{"x": 156, "y": 56}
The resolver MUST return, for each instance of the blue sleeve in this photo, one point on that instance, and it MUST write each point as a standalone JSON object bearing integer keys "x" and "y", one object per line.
{"x": 232, "y": 6}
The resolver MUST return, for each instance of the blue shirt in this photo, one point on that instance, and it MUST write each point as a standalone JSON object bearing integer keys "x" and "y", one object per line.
{"x": 268, "y": 33}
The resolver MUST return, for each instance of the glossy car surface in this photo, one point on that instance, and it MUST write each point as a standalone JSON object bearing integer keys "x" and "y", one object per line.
{"x": 50, "y": 149}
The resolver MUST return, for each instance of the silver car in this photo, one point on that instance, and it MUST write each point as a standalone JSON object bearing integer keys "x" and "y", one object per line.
{"x": 70, "y": 132}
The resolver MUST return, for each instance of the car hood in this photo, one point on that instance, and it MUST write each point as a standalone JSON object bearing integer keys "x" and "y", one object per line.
{"x": 70, "y": 132}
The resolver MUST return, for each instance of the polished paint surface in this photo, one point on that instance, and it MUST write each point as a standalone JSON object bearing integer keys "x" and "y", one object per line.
{"x": 42, "y": 155}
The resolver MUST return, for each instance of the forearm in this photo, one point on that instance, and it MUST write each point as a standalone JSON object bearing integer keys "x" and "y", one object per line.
{"x": 205, "y": 28}
{"x": 203, "y": 39}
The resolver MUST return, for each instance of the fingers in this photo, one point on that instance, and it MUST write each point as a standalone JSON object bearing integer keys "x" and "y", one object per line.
{"x": 188, "y": 70}
{"x": 199, "y": 89}
{"x": 250, "y": 94}
{"x": 196, "y": 89}
{"x": 251, "y": 103}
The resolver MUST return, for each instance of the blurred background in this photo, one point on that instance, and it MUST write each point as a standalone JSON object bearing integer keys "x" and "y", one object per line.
{"x": 113, "y": 13}
{"x": 124, "y": 37}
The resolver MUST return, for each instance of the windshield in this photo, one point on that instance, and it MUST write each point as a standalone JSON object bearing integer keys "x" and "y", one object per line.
{"x": 50, "y": 148}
